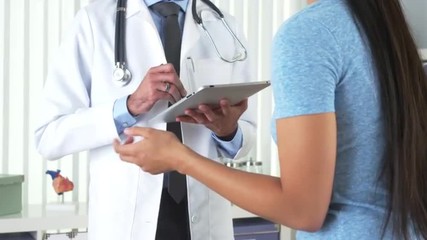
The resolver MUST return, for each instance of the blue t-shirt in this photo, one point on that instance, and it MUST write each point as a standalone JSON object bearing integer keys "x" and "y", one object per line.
{"x": 321, "y": 63}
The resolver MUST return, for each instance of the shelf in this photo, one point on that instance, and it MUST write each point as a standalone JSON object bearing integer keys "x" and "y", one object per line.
{"x": 35, "y": 218}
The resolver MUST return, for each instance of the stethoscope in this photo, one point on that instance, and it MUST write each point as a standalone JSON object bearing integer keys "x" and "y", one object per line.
{"x": 122, "y": 76}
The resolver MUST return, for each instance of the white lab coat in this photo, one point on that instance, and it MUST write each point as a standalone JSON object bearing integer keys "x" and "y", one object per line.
{"x": 76, "y": 115}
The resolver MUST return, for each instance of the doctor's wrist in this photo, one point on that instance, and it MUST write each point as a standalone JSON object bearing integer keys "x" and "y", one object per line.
{"x": 133, "y": 106}
{"x": 227, "y": 137}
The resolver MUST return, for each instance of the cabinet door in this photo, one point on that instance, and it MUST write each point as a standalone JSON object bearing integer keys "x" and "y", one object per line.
{"x": 16, "y": 236}
{"x": 260, "y": 236}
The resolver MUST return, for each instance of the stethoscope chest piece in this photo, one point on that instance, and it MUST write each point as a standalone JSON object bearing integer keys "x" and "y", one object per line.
{"x": 121, "y": 76}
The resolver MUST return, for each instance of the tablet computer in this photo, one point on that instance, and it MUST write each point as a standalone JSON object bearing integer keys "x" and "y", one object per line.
{"x": 211, "y": 94}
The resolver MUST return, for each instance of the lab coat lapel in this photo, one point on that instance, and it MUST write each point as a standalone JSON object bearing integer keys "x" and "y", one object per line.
{"x": 137, "y": 6}
{"x": 139, "y": 18}
{"x": 133, "y": 7}
{"x": 191, "y": 33}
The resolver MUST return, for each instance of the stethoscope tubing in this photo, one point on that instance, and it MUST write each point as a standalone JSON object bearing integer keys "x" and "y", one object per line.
{"x": 196, "y": 17}
{"x": 123, "y": 76}
{"x": 119, "y": 48}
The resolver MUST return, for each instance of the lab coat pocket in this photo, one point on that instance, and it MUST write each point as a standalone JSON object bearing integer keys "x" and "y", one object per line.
{"x": 211, "y": 71}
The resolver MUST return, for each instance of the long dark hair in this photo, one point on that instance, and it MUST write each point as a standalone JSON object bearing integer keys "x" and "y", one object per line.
{"x": 404, "y": 102}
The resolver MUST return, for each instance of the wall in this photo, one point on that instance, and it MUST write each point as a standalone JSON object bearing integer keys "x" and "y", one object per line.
{"x": 30, "y": 33}
{"x": 415, "y": 11}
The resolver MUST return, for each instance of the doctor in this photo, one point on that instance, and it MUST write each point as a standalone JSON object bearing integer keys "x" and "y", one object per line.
{"x": 85, "y": 109}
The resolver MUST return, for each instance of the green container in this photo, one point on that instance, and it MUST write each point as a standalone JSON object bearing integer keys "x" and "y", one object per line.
{"x": 10, "y": 193}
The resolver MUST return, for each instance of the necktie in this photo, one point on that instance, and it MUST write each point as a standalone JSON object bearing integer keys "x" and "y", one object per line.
{"x": 177, "y": 186}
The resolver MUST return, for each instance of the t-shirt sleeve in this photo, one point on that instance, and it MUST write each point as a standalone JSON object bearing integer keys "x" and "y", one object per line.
{"x": 305, "y": 69}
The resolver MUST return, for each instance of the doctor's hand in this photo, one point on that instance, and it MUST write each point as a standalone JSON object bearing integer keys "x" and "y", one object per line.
{"x": 158, "y": 151}
{"x": 160, "y": 83}
{"x": 221, "y": 120}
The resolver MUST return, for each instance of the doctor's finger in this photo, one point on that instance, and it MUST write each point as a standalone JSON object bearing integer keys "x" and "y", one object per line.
{"x": 163, "y": 68}
{"x": 160, "y": 76}
{"x": 210, "y": 114}
{"x": 174, "y": 92}
{"x": 166, "y": 72}
{"x": 185, "y": 119}
{"x": 165, "y": 82}
{"x": 168, "y": 97}
{"x": 196, "y": 116}
{"x": 225, "y": 106}
{"x": 243, "y": 105}
{"x": 167, "y": 88}
{"x": 174, "y": 80}
{"x": 180, "y": 87}
{"x": 168, "y": 67}
{"x": 161, "y": 94}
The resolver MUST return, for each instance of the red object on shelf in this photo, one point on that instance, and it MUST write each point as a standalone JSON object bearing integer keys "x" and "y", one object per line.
{"x": 60, "y": 184}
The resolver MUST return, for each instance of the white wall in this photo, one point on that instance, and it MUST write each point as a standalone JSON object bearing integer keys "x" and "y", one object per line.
{"x": 415, "y": 11}
{"x": 30, "y": 33}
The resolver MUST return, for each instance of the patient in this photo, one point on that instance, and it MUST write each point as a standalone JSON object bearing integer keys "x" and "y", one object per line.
{"x": 350, "y": 123}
